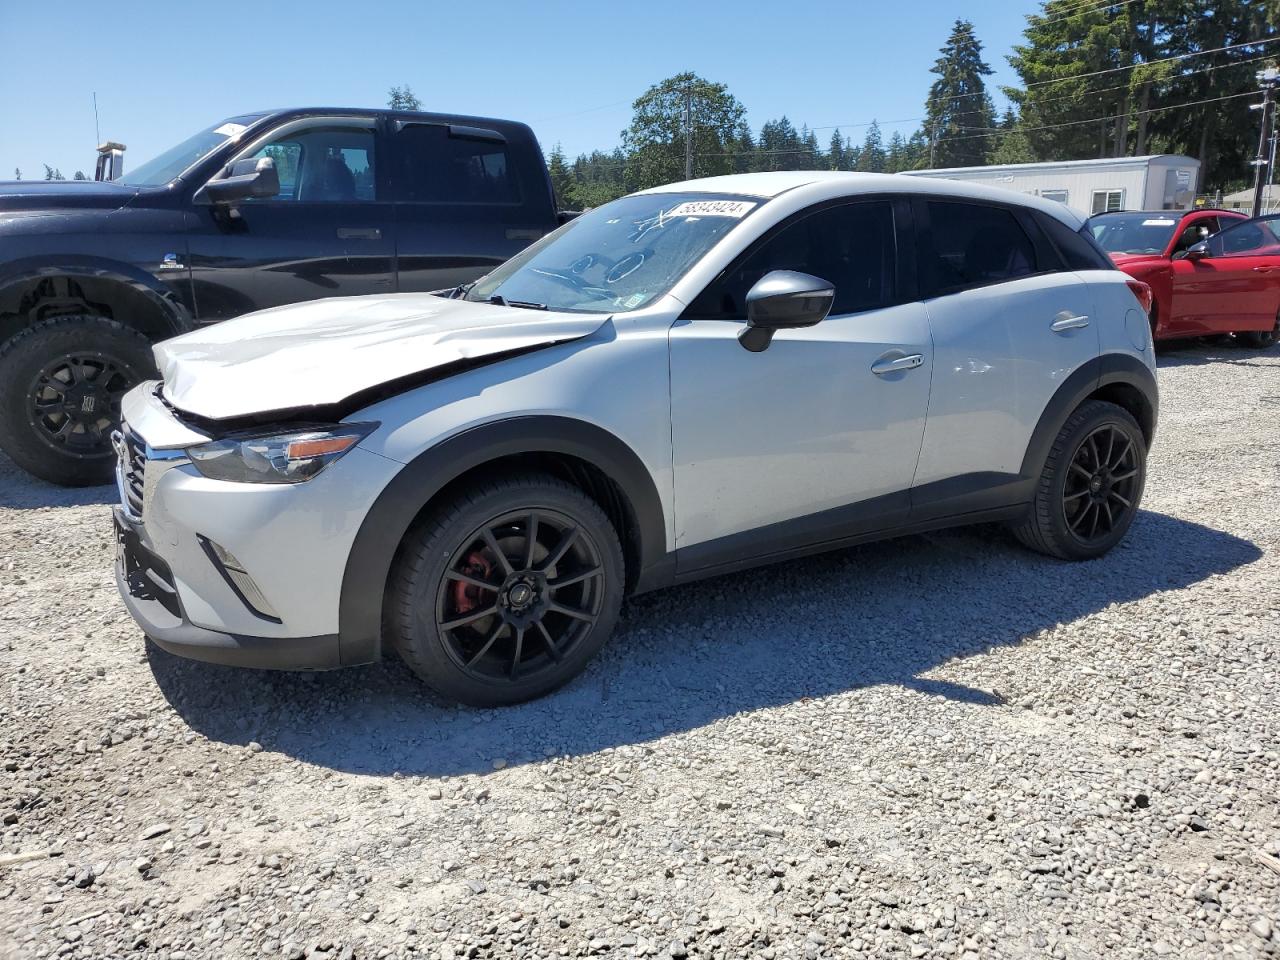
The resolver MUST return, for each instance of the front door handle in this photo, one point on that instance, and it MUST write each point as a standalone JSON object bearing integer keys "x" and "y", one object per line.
{"x": 1264, "y": 269}
{"x": 359, "y": 233}
{"x": 886, "y": 365}
{"x": 1068, "y": 321}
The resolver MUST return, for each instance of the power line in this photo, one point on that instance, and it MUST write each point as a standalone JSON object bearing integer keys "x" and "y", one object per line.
{"x": 1150, "y": 63}
{"x": 1084, "y": 8}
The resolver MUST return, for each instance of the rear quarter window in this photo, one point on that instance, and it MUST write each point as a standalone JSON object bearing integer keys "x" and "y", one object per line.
{"x": 1078, "y": 250}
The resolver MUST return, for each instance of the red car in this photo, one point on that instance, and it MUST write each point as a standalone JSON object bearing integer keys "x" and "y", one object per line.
{"x": 1210, "y": 271}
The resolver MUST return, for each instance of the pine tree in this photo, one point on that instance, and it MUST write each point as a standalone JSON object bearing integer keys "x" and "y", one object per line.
{"x": 1012, "y": 146}
{"x": 836, "y": 158}
{"x": 896, "y": 156}
{"x": 779, "y": 145}
{"x": 48, "y": 172}
{"x": 959, "y": 109}
{"x": 561, "y": 179}
{"x": 871, "y": 159}
{"x": 744, "y": 150}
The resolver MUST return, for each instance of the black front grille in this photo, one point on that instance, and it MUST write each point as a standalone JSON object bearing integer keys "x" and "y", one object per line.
{"x": 134, "y": 467}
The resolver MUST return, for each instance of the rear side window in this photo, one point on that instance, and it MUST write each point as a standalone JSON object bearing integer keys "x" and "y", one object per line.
{"x": 851, "y": 246}
{"x": 1078, "y": 250}
{"x": 973, "y": 245}
{"x": 434, "y": 166}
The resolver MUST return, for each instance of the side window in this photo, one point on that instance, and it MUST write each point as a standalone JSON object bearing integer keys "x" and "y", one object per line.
{"x": 1076, "y": 250}
{"x": 971, "y": 245}
{"x": 436, "y": 167}
{"x": 1247, "y": 238}
{"x": 851, "y": 246}
{"x": 1202, "y": 229}
{"x": 323, "y": 164}
{"x": 1107, "y": 201}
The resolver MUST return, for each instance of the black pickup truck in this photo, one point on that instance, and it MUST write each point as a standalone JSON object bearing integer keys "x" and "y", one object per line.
{"x": 259, "y": 210}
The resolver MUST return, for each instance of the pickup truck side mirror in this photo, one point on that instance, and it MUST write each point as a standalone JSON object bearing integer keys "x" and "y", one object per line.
{"x": 1197, "y": 251}
{"x": 242, "y": 180}
{"x": 782, "y": 300}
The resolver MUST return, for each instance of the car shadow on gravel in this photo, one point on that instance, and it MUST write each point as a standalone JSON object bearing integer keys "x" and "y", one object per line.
{"x": 21, "y": 491}
{"x": 1196, "y": 353}
{"x": 686, "y": 657}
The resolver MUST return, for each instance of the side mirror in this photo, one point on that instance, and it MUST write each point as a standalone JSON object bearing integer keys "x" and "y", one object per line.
{"x": 1197, "y": 251}
{"x": 781, "y": 300}
{"x": 243, "y": 180}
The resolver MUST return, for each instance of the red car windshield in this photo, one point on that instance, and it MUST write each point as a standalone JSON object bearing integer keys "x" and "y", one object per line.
{"x": 1134, "y": 232}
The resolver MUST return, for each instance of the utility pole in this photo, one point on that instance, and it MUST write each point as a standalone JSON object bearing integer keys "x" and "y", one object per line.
{"x": 1267, "y": 79}
{"x": 688, "y": 130}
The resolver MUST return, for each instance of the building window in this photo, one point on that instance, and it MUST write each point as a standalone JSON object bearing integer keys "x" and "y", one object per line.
{"x": 1059, "y": 195}
{"x": 1106, "y": 201}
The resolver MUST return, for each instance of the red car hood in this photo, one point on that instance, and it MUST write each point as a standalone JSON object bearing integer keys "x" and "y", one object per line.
{"x": 1123, "y": 260}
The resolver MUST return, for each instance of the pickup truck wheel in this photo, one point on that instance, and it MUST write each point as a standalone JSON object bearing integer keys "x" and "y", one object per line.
{"x": 61, "y": 383}
{"x": 1091, "y": 485}
{"x": 506, "y": 592}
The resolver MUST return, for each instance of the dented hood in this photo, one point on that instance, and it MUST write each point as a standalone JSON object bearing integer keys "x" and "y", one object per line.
{"x": 322, "y": 352}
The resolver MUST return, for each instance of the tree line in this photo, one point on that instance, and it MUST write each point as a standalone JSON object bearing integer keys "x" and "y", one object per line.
{"x": 1098, "y": 79}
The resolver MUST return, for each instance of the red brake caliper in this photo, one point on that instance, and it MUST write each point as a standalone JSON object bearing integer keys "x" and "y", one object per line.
{"x": 466, "y": 596}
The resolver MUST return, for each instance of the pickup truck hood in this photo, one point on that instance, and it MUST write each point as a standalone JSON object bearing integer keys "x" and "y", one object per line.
{"x": 324, "y": 351}
{"x": 63, "y": 194}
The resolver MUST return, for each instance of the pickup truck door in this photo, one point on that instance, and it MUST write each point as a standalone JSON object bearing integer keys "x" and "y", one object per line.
{"x": 326, "y": 233}
{"x": 464, "y": 202}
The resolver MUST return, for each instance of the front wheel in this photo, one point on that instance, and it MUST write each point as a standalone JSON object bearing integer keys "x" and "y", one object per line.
{"x": 61, "y": 383}
{"x": 1091, "y": 485}
{"x": 506, "y": 592}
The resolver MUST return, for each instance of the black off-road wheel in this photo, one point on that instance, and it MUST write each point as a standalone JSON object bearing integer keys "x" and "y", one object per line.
{"x": 61, "y": 383}
{"x": 1091, "y": 485}
{"x": 507, "y": 591}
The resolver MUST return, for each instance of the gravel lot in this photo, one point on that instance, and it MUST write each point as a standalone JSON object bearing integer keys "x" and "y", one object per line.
{"x": 939, "y": 747}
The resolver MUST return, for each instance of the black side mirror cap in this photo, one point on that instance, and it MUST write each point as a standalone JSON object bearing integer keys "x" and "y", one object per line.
{"x": 242, "y": 180}
{"x": 782, "y": 300}
{"x": 1197, "y": 251}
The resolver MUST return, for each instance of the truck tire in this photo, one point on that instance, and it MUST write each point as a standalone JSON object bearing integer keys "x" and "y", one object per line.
{"x": 61, "y": 383}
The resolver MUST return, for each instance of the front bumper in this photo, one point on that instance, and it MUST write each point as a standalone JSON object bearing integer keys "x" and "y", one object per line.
{"x": 292, "y": 541}
{"x": 146, "y": 586}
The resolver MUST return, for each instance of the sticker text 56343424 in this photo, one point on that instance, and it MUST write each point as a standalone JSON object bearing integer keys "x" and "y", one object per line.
{"x": 712, "y": 208}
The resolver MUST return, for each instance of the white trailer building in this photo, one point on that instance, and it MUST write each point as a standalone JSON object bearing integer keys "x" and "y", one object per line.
{"x": 1158, "y": 182}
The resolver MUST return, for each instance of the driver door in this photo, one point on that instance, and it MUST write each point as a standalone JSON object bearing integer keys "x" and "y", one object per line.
{"x": 802, "y": 442}
{"x": 1236, "y": 286}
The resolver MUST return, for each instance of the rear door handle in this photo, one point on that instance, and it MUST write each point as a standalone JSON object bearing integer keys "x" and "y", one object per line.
{"x": 359, "y": 233}
{"x": 885, "y": 365}
{"x": 1068, "y": 321}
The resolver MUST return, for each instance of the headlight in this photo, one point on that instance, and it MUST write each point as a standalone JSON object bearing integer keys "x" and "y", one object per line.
{"x": 289, "y": 457}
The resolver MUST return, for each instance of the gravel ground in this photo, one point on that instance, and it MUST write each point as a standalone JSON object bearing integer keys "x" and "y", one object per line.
{"x": 942, "y": 746}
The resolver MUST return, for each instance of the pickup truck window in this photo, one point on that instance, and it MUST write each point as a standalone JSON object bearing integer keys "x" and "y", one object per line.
{"x": 323, "y": 164}
{"x": 619, "y": 257}
{"x": 169, "y": 165}
{"x": 436, "y": 167}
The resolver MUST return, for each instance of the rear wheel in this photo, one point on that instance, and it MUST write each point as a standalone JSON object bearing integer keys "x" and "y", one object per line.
{"x": 1091, "y": 484}
{"x": 506, "y": 592}
{"x": 1261, "y": 339}
{"x": 61, "y": 384}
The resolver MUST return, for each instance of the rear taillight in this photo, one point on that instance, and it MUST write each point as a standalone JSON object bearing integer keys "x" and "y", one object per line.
{"x": 1142, "y": 292}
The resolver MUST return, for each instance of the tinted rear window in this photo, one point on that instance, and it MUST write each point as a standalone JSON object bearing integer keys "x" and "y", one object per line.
{"x": 972, "y": 245}
{"x": 1078, "y": 250}
{"x": 433, "y": 166}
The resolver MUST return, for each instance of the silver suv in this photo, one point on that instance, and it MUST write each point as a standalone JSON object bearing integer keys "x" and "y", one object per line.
{"x": 685, "y": 382}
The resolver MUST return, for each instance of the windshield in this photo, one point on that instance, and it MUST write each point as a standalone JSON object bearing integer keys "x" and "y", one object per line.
{"x": 618, "y": 257}
{"x": 1134, "y": 232}
{"x": 170, "y": 164}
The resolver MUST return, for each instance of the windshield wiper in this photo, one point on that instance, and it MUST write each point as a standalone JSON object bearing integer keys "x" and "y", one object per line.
{"x": 502, "y": 301}
{"x": 462, "y": 290}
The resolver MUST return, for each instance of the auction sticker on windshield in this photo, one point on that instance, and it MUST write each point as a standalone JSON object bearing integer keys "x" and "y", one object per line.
{"x": 712, "y": 208}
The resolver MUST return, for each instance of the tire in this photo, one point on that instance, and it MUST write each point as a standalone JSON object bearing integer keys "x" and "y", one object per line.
{"x": 1260, "y": 339}
{"x": 509, "y": 643}
{"x": 1088, "y": 494}
{"x": 61, "y": 382}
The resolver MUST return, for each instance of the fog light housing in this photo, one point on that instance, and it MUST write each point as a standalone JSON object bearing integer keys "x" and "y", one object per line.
{"x": 238, "y": 579}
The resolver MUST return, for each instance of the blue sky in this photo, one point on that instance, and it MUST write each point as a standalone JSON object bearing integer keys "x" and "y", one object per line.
{"x": 164, "y": 70}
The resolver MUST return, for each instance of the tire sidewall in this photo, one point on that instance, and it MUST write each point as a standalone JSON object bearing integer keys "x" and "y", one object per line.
{"x": 427, "y": 650}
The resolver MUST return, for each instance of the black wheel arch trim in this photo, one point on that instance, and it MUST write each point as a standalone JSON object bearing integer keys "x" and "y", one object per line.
{"x": 394, "y": 511}
{"x": 17, "y": 274}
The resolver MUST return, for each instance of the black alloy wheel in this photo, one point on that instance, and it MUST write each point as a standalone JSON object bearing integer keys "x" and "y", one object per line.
{"x": 506, "y": 590}
{"x": 1103, "y": 485}
{"x": 73, "y": 403}
{"x": 519, "y": 594}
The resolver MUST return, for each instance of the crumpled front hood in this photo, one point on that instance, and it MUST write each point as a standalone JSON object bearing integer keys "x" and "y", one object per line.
{"x": 322, "y": 352}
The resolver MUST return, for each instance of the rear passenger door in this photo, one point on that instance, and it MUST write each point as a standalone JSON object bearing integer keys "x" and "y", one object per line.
{"x": 466, "y": 199}
{"x": 1009, "y": 325}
